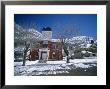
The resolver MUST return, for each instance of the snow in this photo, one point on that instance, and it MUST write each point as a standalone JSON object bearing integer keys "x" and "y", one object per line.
{"x": 51, "y": 67}
{"x": 83, "y": 60}
{"x": 19, "y": 49}
{"x": 56, "y": 62}
{"x": 59, "y": 62}
{"x": 82, "y": 65}
{"x": 82, "y": 41}
{"x": 27, "y": 63}
{"x": 55, "y": 40}
{"x": 80, "y": 38}
{"x": 30, "y": 33}
{"x": 88, "y": 45}
{"x": 83, "y": 52}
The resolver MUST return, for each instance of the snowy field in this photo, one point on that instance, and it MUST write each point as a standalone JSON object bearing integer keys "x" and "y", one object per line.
{"x": 87, "y": 66}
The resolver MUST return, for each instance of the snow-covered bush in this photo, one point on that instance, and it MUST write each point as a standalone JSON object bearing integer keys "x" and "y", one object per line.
{"x": 86, "y": 54}
{"x": 93, "y": 48}
{"x": 78, "y": 55}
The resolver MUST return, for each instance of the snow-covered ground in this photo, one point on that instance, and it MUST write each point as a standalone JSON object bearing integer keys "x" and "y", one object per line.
{"x": 52, "y": 67}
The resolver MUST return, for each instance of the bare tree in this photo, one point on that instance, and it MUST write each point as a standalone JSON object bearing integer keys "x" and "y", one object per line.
{"x": 67, "y": 32}
{"x": 26, "y": 35}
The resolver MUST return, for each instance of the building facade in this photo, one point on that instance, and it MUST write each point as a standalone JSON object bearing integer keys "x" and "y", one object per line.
{"x": 49, "y": 49}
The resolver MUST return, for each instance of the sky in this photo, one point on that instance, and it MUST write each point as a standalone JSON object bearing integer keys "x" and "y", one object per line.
{"x": 87, "y": 23}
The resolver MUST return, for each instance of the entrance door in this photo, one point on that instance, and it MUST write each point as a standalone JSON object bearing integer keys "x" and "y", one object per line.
{"x": 44, "y": 55}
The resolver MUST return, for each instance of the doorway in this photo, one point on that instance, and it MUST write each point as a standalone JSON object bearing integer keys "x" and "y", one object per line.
{"x": 44, "y": 55}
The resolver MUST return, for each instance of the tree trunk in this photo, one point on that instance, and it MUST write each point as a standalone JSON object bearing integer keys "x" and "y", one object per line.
{"x": 68, "y": 60}
{"x": 67, "y": 53}
{"x": 24, "y": 58}
{"x": 25, "y": 53}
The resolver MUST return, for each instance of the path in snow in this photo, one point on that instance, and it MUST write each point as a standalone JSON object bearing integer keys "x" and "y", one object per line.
{"x": 52, "y": 67}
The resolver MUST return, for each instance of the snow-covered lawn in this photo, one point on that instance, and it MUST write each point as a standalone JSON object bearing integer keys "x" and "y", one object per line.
{"x": 52, "y": 67}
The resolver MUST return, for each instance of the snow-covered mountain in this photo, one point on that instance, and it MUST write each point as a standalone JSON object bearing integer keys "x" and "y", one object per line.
{"x": 32, "y": 34}
{"x": 24, "y": 34}
{"x": 35, "y": 34}
{"x": 82, "y": 41}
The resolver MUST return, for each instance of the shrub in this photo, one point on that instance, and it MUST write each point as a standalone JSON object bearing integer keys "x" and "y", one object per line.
{"x": 78, "y": 55}
{"x": 78, "y": 50}
{"x": 93, "y": 48}
{"x": 86, "y": 54}
{"x": 65, "y": 50}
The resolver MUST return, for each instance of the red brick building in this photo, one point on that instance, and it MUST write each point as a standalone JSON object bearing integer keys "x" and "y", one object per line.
{"x": 50, "y": 49}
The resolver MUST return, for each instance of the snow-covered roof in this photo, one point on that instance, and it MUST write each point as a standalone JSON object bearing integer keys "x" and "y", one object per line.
{"x": 55, "y": 40}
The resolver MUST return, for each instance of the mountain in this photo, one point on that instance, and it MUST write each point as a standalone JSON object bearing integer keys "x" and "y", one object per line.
{"x": 34, "y": 35}
{"x": 26, "y": 34}
{"x": 81, "y": 41}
